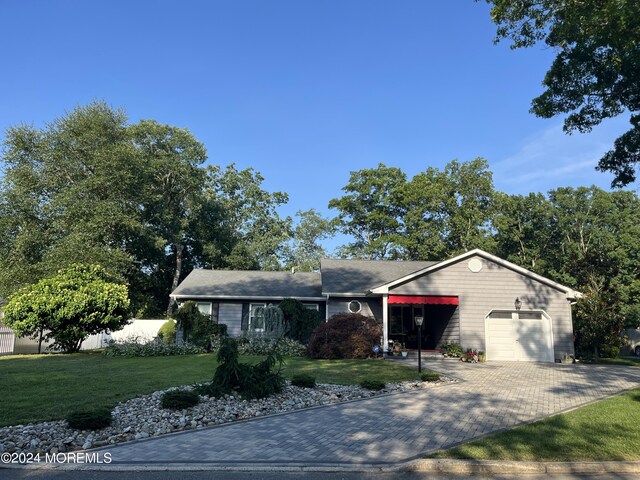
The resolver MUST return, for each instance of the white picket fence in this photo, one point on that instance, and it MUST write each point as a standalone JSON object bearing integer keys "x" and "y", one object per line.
{"x": 7, "y": 340}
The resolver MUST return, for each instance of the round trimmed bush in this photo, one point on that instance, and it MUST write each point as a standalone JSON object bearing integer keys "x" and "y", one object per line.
{"x": 90, "y": 419}
{"x": 167, "y": 331}
{"x": 179, "y": 399}
{"x": 430, "y": 377}
{"x": 304, "y": 381}
{"x": 371, "y": 384}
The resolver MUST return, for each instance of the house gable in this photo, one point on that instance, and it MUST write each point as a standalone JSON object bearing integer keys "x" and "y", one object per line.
{"x": 480, "y": 254}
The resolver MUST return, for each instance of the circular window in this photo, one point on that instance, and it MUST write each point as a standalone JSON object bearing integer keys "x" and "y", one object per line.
{"x": 354, "y": 306}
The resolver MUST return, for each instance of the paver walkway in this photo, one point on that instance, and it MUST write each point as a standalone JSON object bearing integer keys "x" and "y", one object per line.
{"x": 394, "y": 428}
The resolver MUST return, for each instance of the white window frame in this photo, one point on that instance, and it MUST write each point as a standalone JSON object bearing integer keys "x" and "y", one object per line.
{"x": 205, "y": 313}
{"x": 311, "y": 306}
{"x": 251, "y": 316}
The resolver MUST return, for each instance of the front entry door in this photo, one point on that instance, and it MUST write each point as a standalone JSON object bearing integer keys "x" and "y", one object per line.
{"x": 402, "y": 325}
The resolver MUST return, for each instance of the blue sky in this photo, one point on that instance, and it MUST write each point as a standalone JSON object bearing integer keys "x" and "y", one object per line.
{"x": 303, "y": 91}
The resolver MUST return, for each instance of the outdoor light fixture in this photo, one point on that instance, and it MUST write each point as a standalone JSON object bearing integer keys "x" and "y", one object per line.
{"x": 517, "y": 303}
{"x": 419, "y": 321}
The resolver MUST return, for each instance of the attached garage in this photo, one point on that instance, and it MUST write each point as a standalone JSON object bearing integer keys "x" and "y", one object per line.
{"x": 519, "y": 336}
{"x": 502, "y": 309}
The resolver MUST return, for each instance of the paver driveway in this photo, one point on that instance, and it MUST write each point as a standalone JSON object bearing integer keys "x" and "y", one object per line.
{"x": 395, "y": 428}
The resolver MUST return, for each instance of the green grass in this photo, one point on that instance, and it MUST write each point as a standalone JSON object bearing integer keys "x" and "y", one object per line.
{"x": 629, "y": 361}
{"x": 48, "y": 387}
{"x": 608, "y": 430}
{"x": 349, "y": 372}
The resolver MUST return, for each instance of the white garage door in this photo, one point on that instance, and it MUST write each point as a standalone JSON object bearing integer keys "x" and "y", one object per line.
{"x": 519, "y": 336}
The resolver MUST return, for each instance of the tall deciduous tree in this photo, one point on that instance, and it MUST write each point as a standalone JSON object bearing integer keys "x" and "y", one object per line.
{"x": 91, "y": 188}
{"x": 524, "y": 229}
{"x": 371, "y": 212}
{"x": 306, "y": 249}
{"x": 447, "y": 212}
{"x": 70, "y": 193}
{"x": 184, "y": 222}
{"x": 257, "y": 235}
{"x": 598, "y": 321}
{"x": 595, "y": 73}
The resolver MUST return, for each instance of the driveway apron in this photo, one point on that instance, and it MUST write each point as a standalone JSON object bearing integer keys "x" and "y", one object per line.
{"x": 394, "y": 428}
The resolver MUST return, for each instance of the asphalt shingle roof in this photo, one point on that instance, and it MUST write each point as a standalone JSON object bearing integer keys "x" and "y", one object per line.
{"x": 243, "y": 283}
{"x": 360, "y": 276}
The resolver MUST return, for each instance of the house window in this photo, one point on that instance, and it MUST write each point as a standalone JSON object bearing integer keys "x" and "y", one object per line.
{"x": 355, "y": 306}
{"x": 205, "y": 308}
{"x": 256, "y": 316}
{"x": 311, "y": 306}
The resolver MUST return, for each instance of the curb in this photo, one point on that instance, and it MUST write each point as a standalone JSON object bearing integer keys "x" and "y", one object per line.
{"x": 443, "y": 466}
{"x": 494, "y": 467}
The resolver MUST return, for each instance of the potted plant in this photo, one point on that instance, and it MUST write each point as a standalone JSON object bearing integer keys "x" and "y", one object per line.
{"x": 403, "y": 351}
{"x": 397, "y": 347}
{"x": 566, "y": 358}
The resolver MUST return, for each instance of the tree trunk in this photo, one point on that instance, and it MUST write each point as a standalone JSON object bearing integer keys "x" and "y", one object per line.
{"x": 40, "y": 343}
{"x": 176, "y": 275}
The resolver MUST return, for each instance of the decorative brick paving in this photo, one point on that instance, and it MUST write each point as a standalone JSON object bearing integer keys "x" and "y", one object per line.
{"x": 395, "y": 428}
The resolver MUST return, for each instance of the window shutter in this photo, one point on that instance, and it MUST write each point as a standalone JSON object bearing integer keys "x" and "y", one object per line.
{"x": 245, "y": 317}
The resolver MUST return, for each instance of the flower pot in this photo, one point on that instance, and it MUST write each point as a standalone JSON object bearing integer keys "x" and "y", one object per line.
{"x": 404, "y": 354}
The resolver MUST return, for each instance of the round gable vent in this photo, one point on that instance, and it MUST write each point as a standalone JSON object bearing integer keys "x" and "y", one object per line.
{"x": 475, "y": 265}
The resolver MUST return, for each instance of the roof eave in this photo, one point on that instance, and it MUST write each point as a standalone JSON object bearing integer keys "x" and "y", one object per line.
{"x": 505, "y": 263}
{"x": 345, "y": 294}
{"x": 248, "y": 297}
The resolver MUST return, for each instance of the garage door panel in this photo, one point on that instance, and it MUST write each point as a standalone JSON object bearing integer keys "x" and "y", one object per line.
{"x": 519, "y": 339}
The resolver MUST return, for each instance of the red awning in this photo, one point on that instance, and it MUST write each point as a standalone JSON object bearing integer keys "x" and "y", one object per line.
{"x": 423, "y": 299}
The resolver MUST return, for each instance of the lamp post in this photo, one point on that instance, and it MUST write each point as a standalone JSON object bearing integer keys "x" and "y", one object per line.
{"x": 419, "y": 324}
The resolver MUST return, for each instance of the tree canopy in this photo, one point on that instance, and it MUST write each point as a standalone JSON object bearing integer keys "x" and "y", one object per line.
{"x": 77, "y": 302}
{"x": 595, "y": 73}
{"x": 90, "y": 187}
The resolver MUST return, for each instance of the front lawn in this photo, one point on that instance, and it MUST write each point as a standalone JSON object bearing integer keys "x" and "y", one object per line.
{"x": 608, "y": 430}
{"x": 47, "y": 387}
{"x": 627, "y": 360}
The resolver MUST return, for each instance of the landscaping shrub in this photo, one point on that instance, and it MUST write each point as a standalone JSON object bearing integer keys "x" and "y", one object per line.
{"x": 179, "y": 399}
{"x": 219, "y": 329}
{"x": 155, "y": 348}
{"x": 450, "y": 349}
{"x": 253, "y": 344}
{"x": 430, "y": 377}
{"x": 609, "y": 351}
{"x": 304, "y": 381}
{"x": 250, "y": 381}
{"x": 167, "y": 332}
{"x": 90, "y": 419}
{"x": 299, "y": 321}
{"x": 371, "y": 384}
{"x": 197, "y": 329}
{"x": 345, "y": 335}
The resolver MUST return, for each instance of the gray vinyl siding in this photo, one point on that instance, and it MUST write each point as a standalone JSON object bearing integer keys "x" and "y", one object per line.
{"x": 452, "y": 330}
{"x": 494, "y": 287}
{"x": 231, "y": 315}
{"x": 371, "y": 307}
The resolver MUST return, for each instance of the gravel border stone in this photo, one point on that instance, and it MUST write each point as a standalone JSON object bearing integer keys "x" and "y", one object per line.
{"x": 143, "y": 417}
